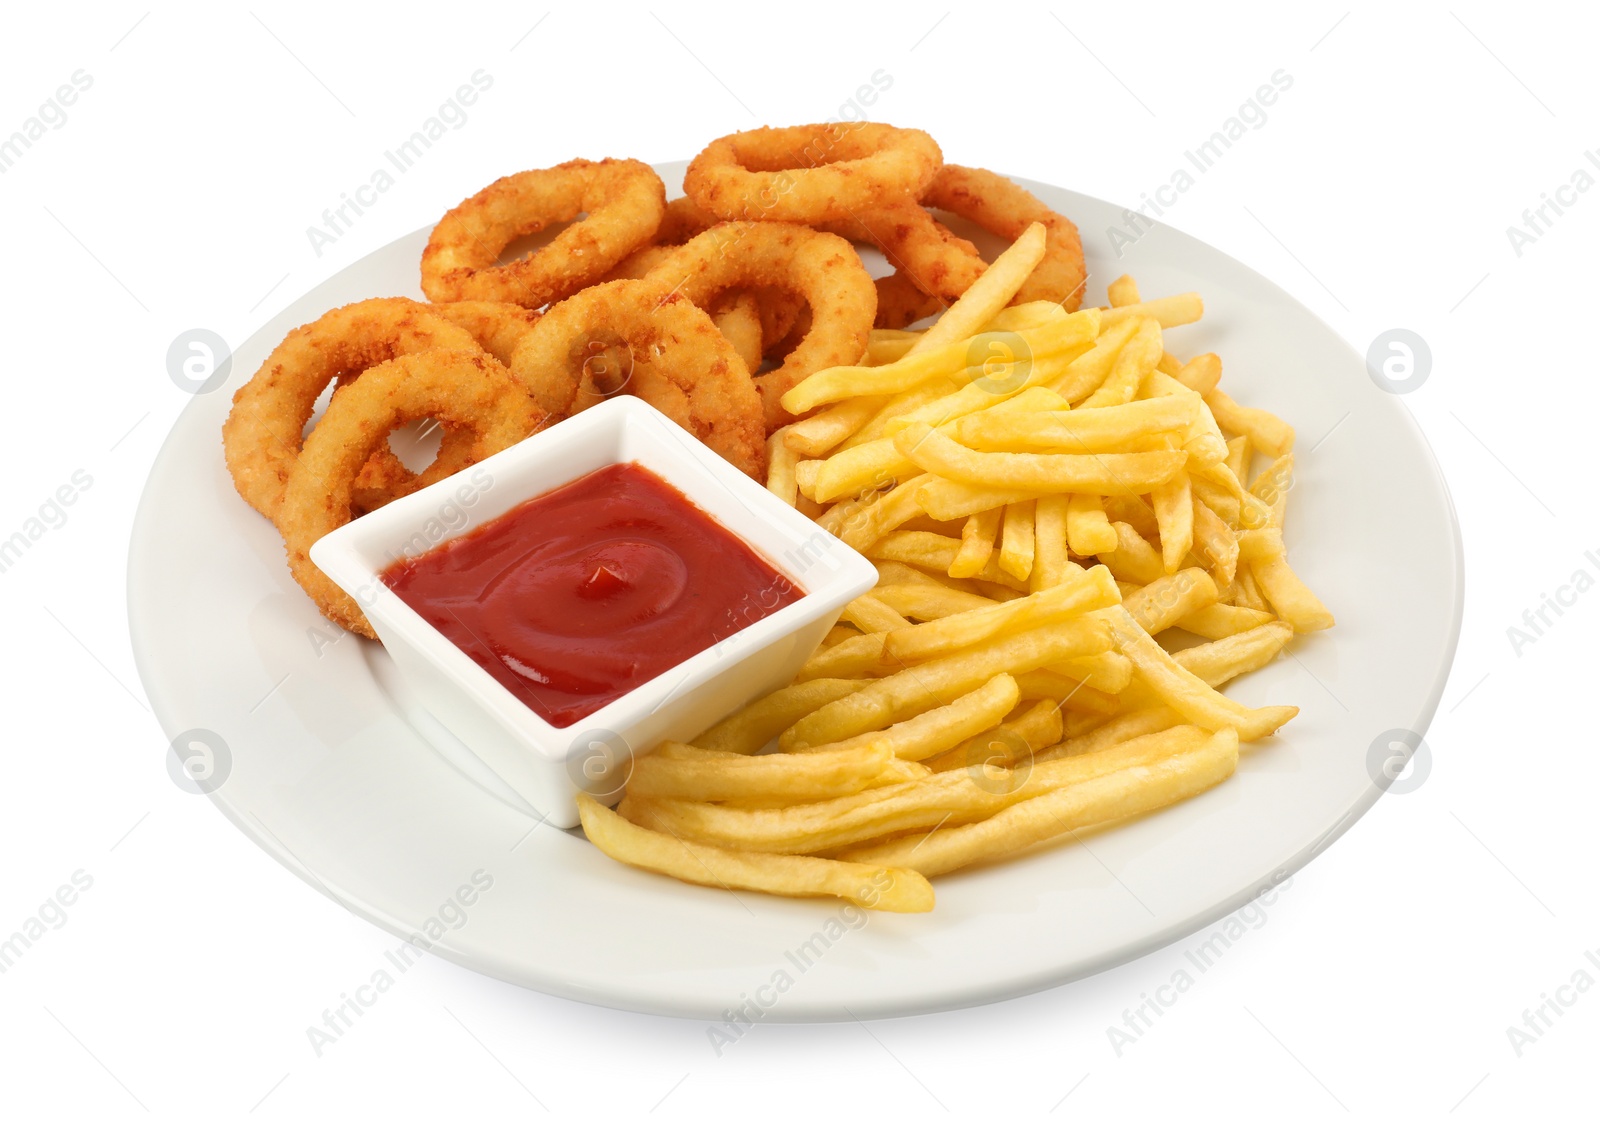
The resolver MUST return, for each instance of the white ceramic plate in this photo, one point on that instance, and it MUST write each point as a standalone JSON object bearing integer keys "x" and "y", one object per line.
{"x": 330, "y": 769}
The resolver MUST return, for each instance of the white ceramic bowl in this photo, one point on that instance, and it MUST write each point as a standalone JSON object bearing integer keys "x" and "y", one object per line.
{"x": 547, "y": 765}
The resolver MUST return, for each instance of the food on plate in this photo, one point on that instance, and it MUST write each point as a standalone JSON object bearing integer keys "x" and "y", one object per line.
{"x": 635, "y": 337}
{"x": 622, "y": 203}
{"x": 811, "y": 173}
{"x": 262, "y": 435}
{"x": 820, "y": 268}
{"x": 1075, "y": 546}
{"x": 1044, "y": 517}
{"x": 576, "y": 597}
{"x": 469, "y": 391}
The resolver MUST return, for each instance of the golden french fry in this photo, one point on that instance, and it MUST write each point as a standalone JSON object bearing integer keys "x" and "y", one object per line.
{"x": 1177, "y": 687}
{"x": 1267, "y": 432}
{"x": 936, "y": 552}
{"x": 1109, "y": 672}
{"x": 814, "y": 436}
{"x": 1088, "y": 371}
{"x": 1272, "y": 488}
{"x": 1081, "y": 593}
{"x": 1102, "y": 473}
{"x": 1066, "y": 693}
{"x": 1214, "y": 543}
{"x": 929, "y": 602}
{"x": 1011, "y": 742}
{"x": 1215, "y": 622}
{"x": 992, "y": 292}
{"x": 860, "y": 655}
{"x": 1123, "y": 291}
{"x": 936, "y": 730}
{"x": 1016, "y": 540}
{"x": 1201, "y": 373}
{"x": 1084, "y": 430}
{"x": 753, "y": 726}
{"x": 874, "y": 887}
{"x": 870, "y": 615}
{"x": 1064, "y": 810}
{"x": 1089, "y": 533}
{"x": 839, "y": 633}
{"x": 1134, "y": 559}
{"x": 1029, "y": 314}
{"x": 1246, "y": 593}
{"x": 1171, "y": 599}
{"x": 1169, "y": 312}
{"x": 780, "y": 468}
{"x": 1136, "y": 360}
{"x": 1050, "y": 560}
{"x": 1220, "y": 661}
{"x": 799, "y": 777}
{"x": 1174, "y": 505}
{"x": 977, "y": 543}
{"x": 872, "y": 522}
{"x": 914, "y": 690}
{"x": 1290, "y": 598}
{"x": 1115, "y": 730}
{"x": 1239, "y": 453}
{"x": 952, "y": 500}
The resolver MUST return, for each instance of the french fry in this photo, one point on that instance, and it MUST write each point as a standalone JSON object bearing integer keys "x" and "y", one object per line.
{"x": 992, "y": 292}
{"x": 1089, "y": 533}
{"x": 1134, "y": 559}
{"x": 1086, "y": 591}
{"x": 936, "y": 552}
{"x": 1102, "y": 474}
{"x": 1123, "y": 291}
{"x": 914, "y": 690}
{"x": 1109, "y": 672}
{"x": 1118, "y": 729}
{"x": 1272, "y": 488}
{"x": 952, "y": 500}
{"x": 1201, "y": 373}
{"x": 800, "y": 777}
{"x": 1267, "y": 432}
{"x": 1239, "y": 453}
{"x": 1136, "y": 360}
{"x": 873, "y": 887}
{"x": 756, "y": 724}
{"x": 935, "y": 730}
{"x": 860, "y": 655}
{"x": 1088, "y": 371}
{"x": 1174, "y": 505}
{"x": 873, "y": 522}
{"x": 1004, "y": 746}
{"x": 1016, "y": 540}
{"x": 977, "y": 543}
{"x": 1050, "y": 561}
{"x": 1083, "y": 430}
{"x": 1029, "y": 314}
{"x": 1220, "y": 661}
{"x": 1109, "y": 797}
{"x": 931, "y": 602}
{"x": 816, "y": 435}
{"x": 1177, "y": 687}
{"x": 1171, "y": 599}
{"x": 1289, "y": 596}
{"x": 780, "y": 468}
{"x": 1169, "y": 312}
{"x": 870, "y": 615}
{"x": 1215, "y": 622}
{"x": 1214, "y": 543}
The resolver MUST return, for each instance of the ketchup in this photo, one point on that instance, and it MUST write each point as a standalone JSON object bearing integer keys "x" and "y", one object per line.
{"x": 574, "y": 598}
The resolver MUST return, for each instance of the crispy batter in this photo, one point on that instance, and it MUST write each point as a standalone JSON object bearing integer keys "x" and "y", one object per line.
{"x": 625, "y": 202}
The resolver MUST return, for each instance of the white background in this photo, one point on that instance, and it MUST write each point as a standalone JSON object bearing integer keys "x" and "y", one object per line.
{"x": 1379, "y": 192}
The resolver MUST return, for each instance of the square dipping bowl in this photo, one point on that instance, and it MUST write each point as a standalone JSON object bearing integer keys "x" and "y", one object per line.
{"x": 549, "y": 765}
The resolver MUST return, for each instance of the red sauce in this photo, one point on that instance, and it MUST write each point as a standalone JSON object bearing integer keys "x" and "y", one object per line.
{"x": 574, "y": 598}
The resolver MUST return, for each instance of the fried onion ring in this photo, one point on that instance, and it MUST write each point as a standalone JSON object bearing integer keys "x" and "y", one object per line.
{"x": 625, "y": 202}
{"x": 1003, "y": 208}
{"x": 821, "y": 268}
{"x": 811, "y": 173}
{"x": 498, "y": 326}
{"x": 632, "y": 336}
{"x": 918, "y": 246}
{"x": 262, "y": 436}
{"x": 468, "y": 390}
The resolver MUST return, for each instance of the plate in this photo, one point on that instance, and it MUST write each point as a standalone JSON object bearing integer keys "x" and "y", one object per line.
{"x": 316, "y": 753}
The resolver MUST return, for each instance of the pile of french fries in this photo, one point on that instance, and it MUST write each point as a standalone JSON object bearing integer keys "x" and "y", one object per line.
{"x": 1058, "y": 509}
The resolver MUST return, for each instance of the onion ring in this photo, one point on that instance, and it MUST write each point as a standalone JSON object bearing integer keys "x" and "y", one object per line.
{"x": 1005, "y": 209}
{"x": 811, "y": 173}
{"x": 262, "y": 435}
{"x": 625, "y": 202}
{"x": 468, "y": 390}
{"x": 918, "y": 246}
{"x": 627, "y": 335}
{"x": 821, "y": 268}
{"x": 498, "y": 326}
